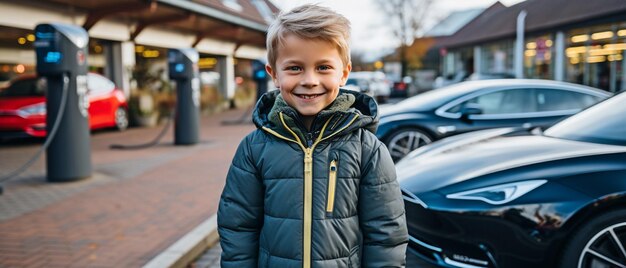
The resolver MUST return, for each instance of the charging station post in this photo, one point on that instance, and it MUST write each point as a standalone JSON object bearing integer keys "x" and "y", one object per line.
{"x": 259, "y": 75}
{"x": 62, "y": 60}
{"x": 183, "y": 68}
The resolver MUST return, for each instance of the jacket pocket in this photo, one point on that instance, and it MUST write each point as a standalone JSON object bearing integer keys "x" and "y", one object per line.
{"x": 332, "y": 187}
{"x": 354, "y": 260}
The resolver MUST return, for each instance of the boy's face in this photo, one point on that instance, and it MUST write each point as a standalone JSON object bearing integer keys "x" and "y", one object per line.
{"x": 308, "y": 73}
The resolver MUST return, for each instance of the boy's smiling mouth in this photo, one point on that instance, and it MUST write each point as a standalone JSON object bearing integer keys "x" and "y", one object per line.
{"x": 308, "y": 96}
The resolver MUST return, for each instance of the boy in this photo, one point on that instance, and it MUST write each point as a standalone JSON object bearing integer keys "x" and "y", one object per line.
{"x": 312, "y": 186}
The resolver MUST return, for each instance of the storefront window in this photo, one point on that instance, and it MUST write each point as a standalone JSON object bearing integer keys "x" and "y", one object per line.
{"x": 18, "y": 54}
{"x": 538, "y": 57}
{"x": 497, "y": 58}
{"x": 210, "y": 91}
{"x": 245, "y": 87}
{"x": 97, "y": 60}
{"x": 459, "y": 62}
{"x": 595, "y": 56}
{"x": 151, "y": 94}
{"x": 620, "y": 58}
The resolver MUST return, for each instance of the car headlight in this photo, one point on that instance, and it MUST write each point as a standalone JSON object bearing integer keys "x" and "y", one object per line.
{"x": 499, "y": 194}
{"x": 37, "y": 109}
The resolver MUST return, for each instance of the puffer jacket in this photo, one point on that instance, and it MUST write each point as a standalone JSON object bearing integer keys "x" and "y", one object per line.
{"x": 321, "y": 198}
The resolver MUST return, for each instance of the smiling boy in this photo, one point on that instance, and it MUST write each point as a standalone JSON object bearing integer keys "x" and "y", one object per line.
{"x": 312, "y": 186}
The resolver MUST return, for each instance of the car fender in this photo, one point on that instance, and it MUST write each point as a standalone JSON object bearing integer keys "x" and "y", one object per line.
{"x": 596, "y": 207}
{"x": 119, "y": 95}
{"x": 608, "y": 197}
{"x": 384, "y": 134}
{"x": 400, "y": 121}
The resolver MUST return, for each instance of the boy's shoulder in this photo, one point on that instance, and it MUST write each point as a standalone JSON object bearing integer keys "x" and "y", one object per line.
{"x": 361, "y": 136}
{"x": 259, "y": 136}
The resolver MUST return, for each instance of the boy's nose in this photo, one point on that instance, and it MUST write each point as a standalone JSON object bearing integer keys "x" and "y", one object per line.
{"x": 309, "y": 80}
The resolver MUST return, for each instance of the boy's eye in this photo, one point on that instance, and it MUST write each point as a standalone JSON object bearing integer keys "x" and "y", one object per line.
{"x": 324, "y": 67}
{"x": 293, "y": 68}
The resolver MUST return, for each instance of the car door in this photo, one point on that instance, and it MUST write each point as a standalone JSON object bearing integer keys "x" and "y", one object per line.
{"x": 554, "y": 104}
{"x": 101, "y": 110}
{"x": 508, "y": 107}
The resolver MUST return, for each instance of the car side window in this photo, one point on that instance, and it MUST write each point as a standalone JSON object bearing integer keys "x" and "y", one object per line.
{"x": 508, "y": 101}
{"x": 559, "y": 100}
{"x": 98, "y": 85}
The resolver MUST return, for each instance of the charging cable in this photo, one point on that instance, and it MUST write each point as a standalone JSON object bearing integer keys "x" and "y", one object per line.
{"x": 49, "y": 137}
{"x": 151, "y": 143}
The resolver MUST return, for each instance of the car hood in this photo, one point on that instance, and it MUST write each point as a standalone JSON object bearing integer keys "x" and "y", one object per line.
{"x": 442, "y": 164}
{"x": 11, "y": 104}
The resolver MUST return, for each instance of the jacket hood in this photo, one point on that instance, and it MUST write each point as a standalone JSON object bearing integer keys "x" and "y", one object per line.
{"x": 349, "y": 111}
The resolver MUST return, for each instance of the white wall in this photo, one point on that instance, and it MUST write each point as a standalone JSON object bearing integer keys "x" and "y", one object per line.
{"x": 17, "y": 56}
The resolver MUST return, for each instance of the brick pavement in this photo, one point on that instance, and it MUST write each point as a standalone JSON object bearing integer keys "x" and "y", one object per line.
{"x": 136, "y": 204}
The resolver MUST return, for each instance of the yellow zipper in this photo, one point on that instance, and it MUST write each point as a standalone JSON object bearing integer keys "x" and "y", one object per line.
{"x": 308, "y": 181}
{"x": 332, "y": 182}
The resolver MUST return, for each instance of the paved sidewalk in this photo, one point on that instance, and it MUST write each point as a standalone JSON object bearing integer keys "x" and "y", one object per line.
{"x": 136, "y": 204}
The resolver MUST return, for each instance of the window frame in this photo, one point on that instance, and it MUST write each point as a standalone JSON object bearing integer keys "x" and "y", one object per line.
{"x": 443, "y": 110}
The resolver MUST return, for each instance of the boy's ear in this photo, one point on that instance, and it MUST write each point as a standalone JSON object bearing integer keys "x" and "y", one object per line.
{"x": 345, "y": 73}
{"x": 270, "y": 71}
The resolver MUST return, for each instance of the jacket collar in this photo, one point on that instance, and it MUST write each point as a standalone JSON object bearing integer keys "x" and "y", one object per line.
{"x": 349, "y": 111}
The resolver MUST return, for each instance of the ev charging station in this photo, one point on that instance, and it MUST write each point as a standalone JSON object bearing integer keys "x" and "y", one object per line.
{"x": 259, "y": 75}
{"x": 62, "y": 59}
{"x": 183, "y": 68}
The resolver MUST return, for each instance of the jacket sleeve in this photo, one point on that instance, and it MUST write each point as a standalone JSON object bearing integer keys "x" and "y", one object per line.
{"x": 240, "y": 212}
{"x": 381, "y": 213}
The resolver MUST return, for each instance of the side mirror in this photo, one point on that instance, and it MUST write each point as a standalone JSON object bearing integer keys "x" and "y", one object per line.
{"x": 470, "y": 109}
{"x": 537, "y": 131}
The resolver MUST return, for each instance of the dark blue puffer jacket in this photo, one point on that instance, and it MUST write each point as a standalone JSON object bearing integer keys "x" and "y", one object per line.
{"x": 324, "y": 198}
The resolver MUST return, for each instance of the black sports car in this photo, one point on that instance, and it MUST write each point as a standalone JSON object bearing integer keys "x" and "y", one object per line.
{"x": 478, "y": 105}
{"x": 508, "y": 198}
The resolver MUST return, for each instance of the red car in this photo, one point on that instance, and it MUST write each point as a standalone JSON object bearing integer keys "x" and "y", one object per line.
{"x": 23, "y": 106}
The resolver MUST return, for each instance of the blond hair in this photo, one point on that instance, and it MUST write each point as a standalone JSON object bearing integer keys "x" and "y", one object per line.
{"x": 309, "y": 22}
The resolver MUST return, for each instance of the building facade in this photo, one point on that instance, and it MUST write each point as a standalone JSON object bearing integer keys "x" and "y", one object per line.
{"x": 566, "y": 40}
{"x": 129, "y": 38}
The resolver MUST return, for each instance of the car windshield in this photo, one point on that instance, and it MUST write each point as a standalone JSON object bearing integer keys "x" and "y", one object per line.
{"x": 23, "y": 88}
{"x": 601, "y": 123}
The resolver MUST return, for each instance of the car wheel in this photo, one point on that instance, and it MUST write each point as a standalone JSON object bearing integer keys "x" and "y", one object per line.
{"x": 403, "y": 141}
{"x": 121, "y": 118}
{"x": 599, "y": 243}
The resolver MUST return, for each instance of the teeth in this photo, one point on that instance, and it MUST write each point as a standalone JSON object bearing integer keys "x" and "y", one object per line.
{"x": 306, "y": 97}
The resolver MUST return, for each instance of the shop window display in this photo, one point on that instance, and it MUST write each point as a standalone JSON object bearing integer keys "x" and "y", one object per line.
{"x": 497, "y": 58}
{"x": 210, "y": 92}
{"x": 595, "y": 56}
{"x": 538, "y": 57}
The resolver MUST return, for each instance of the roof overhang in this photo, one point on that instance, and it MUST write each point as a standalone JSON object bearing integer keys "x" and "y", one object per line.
{"x": 182, "y": 16}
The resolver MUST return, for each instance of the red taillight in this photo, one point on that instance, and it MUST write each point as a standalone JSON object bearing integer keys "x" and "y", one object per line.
{"x": 400, "y": 86}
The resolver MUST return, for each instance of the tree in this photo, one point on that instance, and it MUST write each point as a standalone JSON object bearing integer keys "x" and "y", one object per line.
{"x": 358, "y": 61}
{"x": 406, "y": 19}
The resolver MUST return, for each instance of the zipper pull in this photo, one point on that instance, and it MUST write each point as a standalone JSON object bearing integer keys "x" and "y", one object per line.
{"x": 309, "y": 139}
{"x": 332, "y": 185}
{"x": 308, "y": 160}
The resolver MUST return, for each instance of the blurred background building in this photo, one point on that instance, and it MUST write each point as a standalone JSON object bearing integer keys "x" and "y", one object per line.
{"x": 129, "y": 40}
{"x": 577, "y": 41}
